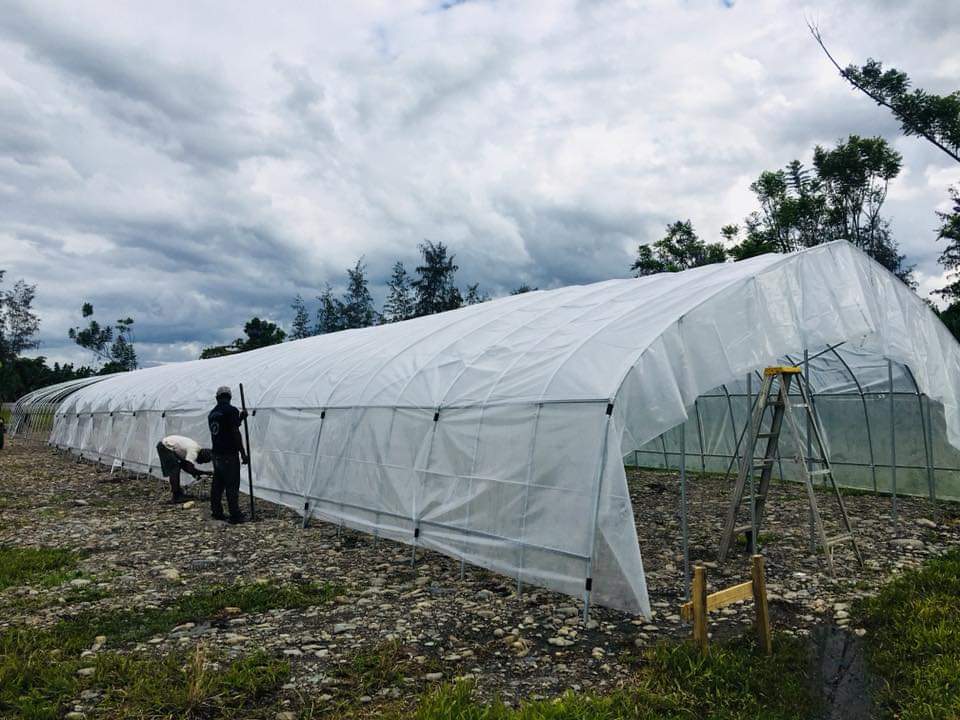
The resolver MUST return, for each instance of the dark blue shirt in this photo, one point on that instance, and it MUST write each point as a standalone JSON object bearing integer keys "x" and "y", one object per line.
{"x": 223, "y": 421}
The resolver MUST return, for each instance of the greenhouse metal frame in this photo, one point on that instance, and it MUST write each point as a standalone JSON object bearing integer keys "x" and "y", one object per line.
{"x": 494, "y": 434}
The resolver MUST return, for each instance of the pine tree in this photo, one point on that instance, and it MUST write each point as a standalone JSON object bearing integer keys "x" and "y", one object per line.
{"x": 357, "y": 305}
{"x": 329, "y": 313}
{"x": 399, "y": 304}
{"x": 434, "y": 287}
{"x": 300, "y": 328}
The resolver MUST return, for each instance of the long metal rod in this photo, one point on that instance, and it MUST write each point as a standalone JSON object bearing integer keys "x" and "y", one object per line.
{"x": 683, "y": 512}
{"x": 893, "y": 449}
{"x": 807, "y": 460}
{"x": 246, "y": 434}
{"x": 931, "y": 466}
{"x": 588, "y": 588}
{"x": 703, "y": 457}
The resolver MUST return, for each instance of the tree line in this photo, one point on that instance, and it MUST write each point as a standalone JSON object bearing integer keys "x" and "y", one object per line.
{"x": 431, "y": 289}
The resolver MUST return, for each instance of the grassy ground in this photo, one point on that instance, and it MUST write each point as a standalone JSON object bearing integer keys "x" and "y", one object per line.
{"x": 672, "y": 681}
{"x": 24, "y": 566}
{"x": 913, "y": 640}
{"x": 42, "y": 670}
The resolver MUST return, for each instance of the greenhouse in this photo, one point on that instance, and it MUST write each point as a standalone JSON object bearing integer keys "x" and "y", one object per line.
{"x": 497, "y": 433}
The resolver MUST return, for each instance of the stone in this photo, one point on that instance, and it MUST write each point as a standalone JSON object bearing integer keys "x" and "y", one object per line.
{"x": 433, "y": 677}
{"x": 79, "y": 582}
{"x": 340, "y": 628}
{"x": 925, "y": 522}
{"x": 74, "y": 715}
{"x": 86, "y": 671}
{"x": 908, "y": 543}
{"x": 171, "y": 574}
{"x": 286, "y": 715}
{"x": 188, "y": 505}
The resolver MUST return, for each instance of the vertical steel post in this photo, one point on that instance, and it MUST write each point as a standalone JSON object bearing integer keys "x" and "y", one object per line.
{"x": 893, "y": 449}
{"x": 703, "y": 456}
{"x": 809, "y": 451}
{"x": 932, "y": 466}
{"x": 601, "y": 467}
{"x": 246, "y": 433}
{"x": 753, "y": 480}
{"x": 683, "y": 512}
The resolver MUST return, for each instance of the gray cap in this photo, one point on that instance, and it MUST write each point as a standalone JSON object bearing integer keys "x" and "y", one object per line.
{"x": 224, "y": 390}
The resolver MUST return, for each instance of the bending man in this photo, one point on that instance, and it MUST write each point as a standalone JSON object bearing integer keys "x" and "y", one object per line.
{"x": 181, "y": 453}
{"x": 228, "y": 452}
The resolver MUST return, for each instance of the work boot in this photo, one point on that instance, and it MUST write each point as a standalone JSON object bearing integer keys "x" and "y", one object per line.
{"x": 218, "y": 516}
{"x": 237, "y": 520}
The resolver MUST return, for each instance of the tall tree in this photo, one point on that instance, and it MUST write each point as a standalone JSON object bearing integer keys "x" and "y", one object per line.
{"x": 400, "y": 304}
{"x": 18, "y": 323}
{"x": 94, "y": 337}
{"x": 329, "y": 313}
{"x": 933, "y": 117}
{"x": 475, "y": 295}
{"x": 300, "y": 328}
{"x": 357, "y": 302}
{"x": 841, "y": 199}
{"x": 434, "y": 287}
{"x": 949, "y": 230}
{"x": 523, "y": 288}
{"x": 680, "y": 249}
{"x": 123, "y": 355}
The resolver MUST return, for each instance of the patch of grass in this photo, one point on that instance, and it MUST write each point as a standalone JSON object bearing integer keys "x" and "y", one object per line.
{"x": 178, "y": 685}
{"x": 913, "y": 640}
{"x": 25, "y": 566}
{"x": 38, "y": 667}
{"x": 732, "y": 681}
{"x": 368, "y": 672}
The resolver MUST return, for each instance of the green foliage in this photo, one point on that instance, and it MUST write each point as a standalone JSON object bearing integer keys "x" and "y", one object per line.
{"x": 839, "y": 199}
{"x": 680, "y": 249}
{"x": 357, "y": 306}
{"x": 24, "y": 566}
{"x": 674, "y": 681}
{"x": 329, "y": 313}
{"x": 38, "y": 667}
{"x": 913, "y": 640}
{"x": 435, "y": 289}
{"x": 113, "y": 346}
{"x": 301, "y": 320}
{"x": 260, "y": 333}
{"x": 18, "y": 323}
{"x": 399, "y": 304}
{"x": 524, "y": 288}
{"x": 21, "y": 375}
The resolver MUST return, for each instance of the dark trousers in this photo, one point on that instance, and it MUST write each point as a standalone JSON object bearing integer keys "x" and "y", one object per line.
{"x": 226, "y": 477}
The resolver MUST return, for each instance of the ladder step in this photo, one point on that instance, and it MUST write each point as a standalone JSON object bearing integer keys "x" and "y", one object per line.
{"x": 768, "y": 435}
{"x": 837, "y": 539}
{"x": 742, "y": 528}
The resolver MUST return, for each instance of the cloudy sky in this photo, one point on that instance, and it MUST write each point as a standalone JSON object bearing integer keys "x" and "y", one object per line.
{"x": 193, "y": 164}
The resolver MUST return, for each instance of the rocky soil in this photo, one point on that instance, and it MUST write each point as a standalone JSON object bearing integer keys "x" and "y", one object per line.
{"x": 140, "y": 551}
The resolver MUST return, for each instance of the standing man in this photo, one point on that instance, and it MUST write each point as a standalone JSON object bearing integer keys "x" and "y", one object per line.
{"x": 177, "y": 453}
{"x": 228, "y": 453}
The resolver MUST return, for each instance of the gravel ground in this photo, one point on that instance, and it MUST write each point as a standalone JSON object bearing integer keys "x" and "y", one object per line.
{"x": 141, "y": 551}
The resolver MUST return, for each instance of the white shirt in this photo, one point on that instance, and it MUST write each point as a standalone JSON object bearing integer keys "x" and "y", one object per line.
{"x": 183, "y": 447}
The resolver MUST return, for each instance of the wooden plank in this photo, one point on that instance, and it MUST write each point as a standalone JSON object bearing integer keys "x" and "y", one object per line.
{"x": 721, "y": 598}
{"x": 759, "y": 585}
{"x": 699, "y": 605}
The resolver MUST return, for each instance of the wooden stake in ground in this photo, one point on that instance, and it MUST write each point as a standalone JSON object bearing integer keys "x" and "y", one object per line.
{"x": 246, "y": 435}
{"x": 700, "y": 604}
{"x": 760, "y": 601}
{"x": 698, "y": 596}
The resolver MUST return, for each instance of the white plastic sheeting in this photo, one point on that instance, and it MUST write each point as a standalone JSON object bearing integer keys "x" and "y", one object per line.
{"x": 495, "y": 433}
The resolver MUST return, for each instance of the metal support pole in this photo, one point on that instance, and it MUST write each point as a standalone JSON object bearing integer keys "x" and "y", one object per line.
{"x": 932, "y": 466}
{"x": 246, "y": 433}
{"x": 683, "y": 512}
{"x": 893, "y": 449}
{"x": 703, "y": 457}
{"x": 753, "y": 482}
{"x": 601, "y": 466}
{"x": 809, "y": 451}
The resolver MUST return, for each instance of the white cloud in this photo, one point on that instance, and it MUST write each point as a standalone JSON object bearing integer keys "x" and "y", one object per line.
{"x": 194, "y": 165}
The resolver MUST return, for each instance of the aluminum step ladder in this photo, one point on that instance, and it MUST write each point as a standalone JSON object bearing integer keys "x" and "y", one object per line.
{"x": 775, "y": 393}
